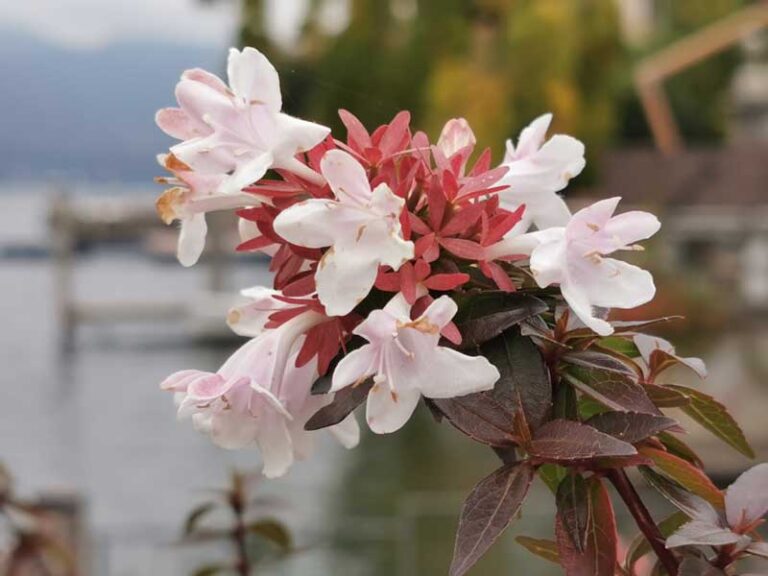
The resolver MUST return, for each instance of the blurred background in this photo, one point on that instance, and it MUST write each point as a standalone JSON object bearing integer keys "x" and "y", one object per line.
{"x": 670, "y": 97}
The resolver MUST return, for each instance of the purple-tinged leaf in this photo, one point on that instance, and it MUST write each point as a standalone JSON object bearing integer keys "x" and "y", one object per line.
{"x": 695, "y": 566}
{"x": 639, "y": 547}
{"x": 572, "y": 501}
{"x": 715, "y": 417}
{"x": 480, "y": 416}
{"x": 701, "y": 533}
{"x": 619, "y": 394}
{"x": 598, "y": 361}
{"x": 491, "y": 417}
{"x": 344, "y": 402}
{"x": 631, "y": 427}
{"x": 487, "y": 512}
{"x": 599, "y": 555}
{"x": 568, "y": 441}
{"x": 546, "y": 549}
{"x": 685, "y": 474}
{"x": 614, "y": 462}
{"x": 485, "y": 316}
{"x": 746, "y": 500}
{"x": 524, "y": 381}
{"x": 695, "y": 507}
{"x": 665, "y": 397}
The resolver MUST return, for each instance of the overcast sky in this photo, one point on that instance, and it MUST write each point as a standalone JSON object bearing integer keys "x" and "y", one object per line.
{"x": 88, "y": 24}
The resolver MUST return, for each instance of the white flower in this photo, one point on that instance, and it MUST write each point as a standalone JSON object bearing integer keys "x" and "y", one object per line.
{"x": 406, "y": 362}
{"x": 238, "y": 131}
{"x": 192, "y": 195}
{"x": 537, "y": 171}
{"x": 260, "y": 398}
{"x": 573, "y": 256}
{"x": 362, "y": 228}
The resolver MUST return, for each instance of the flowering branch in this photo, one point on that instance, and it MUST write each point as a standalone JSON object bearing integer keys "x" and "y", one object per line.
{"x": 405, "y": 275}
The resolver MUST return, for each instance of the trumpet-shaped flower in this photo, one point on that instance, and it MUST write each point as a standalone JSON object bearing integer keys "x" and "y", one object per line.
{"x": 191, "y": 196}
{"x": 238, "y": 131}
{"x": 573, "y": 256}
{"x": 406, "y": 362}
{"x": 361, "y": 227}
{"x": 260, "y": 398}
{"x": 537, "y": 171}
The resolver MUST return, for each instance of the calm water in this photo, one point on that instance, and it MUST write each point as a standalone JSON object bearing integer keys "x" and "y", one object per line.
{"x": 93, "y": 423}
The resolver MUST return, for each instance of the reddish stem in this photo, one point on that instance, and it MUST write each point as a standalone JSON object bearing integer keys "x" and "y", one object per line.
{"x": 643, "y": 519}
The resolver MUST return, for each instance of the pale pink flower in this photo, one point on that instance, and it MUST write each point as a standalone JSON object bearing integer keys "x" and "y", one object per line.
{"x": 406, "y": 362}
{"x": 573, "y": 256}
{"x": 361, "y": 227}
{"x": 192, "y": 195}
{"x": 238, "y": 131}
{"x": 537, "y": 171}
{"x": 259, "y": 398}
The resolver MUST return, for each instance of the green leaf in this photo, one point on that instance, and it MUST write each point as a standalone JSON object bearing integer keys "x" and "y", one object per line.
{"x": 666, "y": 397}
{"x": 715, "y": 417}
{"x": 640, "y": 546}
{"x": 552, "y": 475}
{"x": 542, "y": 548}
{"x": 622, "y": 345}
{"x": 273, "y": 531}
{"x": 197, "y": 514}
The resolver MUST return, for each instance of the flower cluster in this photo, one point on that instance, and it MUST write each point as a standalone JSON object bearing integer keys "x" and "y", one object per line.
{"x": 350, "y": 224}
{"x": 410, "y": 271}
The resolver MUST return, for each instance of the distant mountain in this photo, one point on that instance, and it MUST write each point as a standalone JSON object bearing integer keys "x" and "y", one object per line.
{"x": 87, "y": 115}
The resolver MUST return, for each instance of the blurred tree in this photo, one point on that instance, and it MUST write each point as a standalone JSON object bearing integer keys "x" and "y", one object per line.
{"x": 499, "y": 63}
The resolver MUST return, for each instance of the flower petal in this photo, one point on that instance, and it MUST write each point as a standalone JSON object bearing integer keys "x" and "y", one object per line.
{"x": 354, "y": 367}
{"x": 296, "y": 135}
{"x": 347, "y": 432}
{"x": 532, "y": 136}
{"x": 253, "y": 78}
{"x": 192, "y": 239}
{"x": 387, "y": 411}
{"x": 631, "y": 227}
{"x": 580, "y": 304}
{"x": 346, "y": 177}
{"x": 746, "y": 500}
{"x": 317, "y": 223}
{"x": 247, "y": 173}
{"x": 275, "y": 445}
{"x": 611, "y": 283}
{"x": 441, "y": 311}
